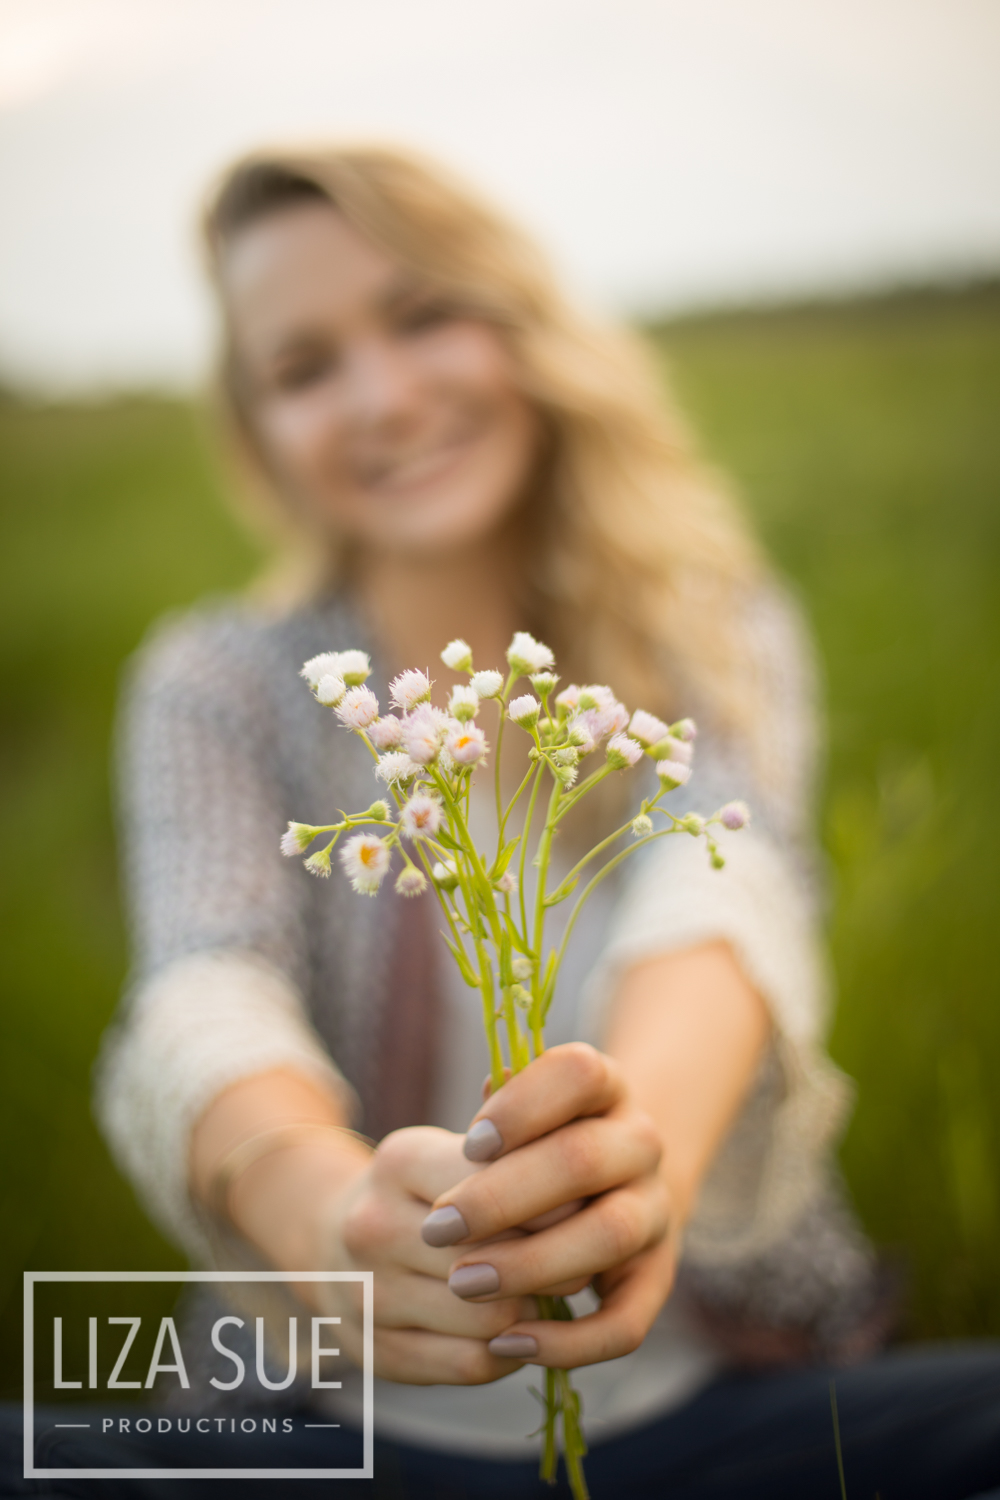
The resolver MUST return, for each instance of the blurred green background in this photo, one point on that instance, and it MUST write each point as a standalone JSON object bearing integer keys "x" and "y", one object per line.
{"x": 866, "y": 439}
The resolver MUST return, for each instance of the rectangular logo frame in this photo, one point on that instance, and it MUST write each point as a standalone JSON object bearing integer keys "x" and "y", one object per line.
{"x": 364, "y": 1277}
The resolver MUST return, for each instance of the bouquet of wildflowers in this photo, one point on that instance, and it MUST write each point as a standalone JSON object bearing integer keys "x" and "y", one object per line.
{"x": 426, "y": 757}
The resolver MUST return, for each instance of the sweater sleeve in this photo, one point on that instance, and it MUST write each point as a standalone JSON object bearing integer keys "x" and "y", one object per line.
{"x": 764, "y": 904}
{"x": 217, "y": 915}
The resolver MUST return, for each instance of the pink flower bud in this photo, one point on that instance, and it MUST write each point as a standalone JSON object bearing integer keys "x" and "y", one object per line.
{"x": 409, "y": 689}
{"x": 358, "y": 708}
{"x": 420, "y": 818}
{"x": 735, "y": 815}
{"x": 386, "y": 733}
{"x": 623, "y": 751}
{"x": 647, "y": 728}
{"x": 410, "y": 881}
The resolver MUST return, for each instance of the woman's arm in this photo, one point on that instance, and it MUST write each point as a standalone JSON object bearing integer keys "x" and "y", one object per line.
{"x": 687, "y": 1030}
{"x": 269, "y": 1201}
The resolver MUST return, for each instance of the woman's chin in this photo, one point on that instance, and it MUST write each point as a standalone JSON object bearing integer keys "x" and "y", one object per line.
{"x": 433, "y": 530}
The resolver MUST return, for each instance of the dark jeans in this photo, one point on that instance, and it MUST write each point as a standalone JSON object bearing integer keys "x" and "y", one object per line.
{"x": 916, "y": 1424}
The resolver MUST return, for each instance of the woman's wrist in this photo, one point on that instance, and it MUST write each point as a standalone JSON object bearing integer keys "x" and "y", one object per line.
{"x": 281, "y": 1202}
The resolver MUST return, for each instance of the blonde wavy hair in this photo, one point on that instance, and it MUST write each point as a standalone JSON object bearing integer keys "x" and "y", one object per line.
{"x": 637, "y": 563}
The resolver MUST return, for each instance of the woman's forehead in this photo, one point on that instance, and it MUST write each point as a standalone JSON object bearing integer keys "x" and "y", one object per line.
{"x": 306, "y": 264}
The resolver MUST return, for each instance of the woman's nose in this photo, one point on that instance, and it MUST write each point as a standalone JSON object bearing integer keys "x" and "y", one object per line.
{"x": 381, "y": 384}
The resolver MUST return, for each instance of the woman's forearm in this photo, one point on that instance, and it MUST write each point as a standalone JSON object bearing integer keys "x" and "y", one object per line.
{"x": 272, "y": 1201}
{"x": 688, "y": 1030}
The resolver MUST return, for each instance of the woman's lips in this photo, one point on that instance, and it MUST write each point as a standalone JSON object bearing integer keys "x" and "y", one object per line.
{"x": 417, "y": 471}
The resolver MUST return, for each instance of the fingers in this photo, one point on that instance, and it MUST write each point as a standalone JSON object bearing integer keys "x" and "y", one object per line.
{"x": 561, "y": 1085}
{"x": 422, "y": 1161}
{"x": 613, "y": 1229}
{"x": 423, "y": 1302}
{"x": 418, "y": 1357}
{"x": 578, "y": 1161}
{"x": 629, "y": 1307}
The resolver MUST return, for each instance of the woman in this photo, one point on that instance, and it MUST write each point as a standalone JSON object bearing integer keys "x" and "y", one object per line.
{"x": 453, "y": 451}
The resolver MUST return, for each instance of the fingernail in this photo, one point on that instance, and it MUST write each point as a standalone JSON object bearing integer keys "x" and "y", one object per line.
{"x": 483, "y": 1141}
{"x": 513, "y": 1346}
{"x": 444, "y": 1226}
{"x": 474, "y": 1281}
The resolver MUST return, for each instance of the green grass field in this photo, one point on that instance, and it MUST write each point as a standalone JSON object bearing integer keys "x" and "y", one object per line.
{"x": 866, "y": 442}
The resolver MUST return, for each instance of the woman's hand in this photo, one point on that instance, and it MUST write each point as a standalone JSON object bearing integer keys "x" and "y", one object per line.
{"x": 562, "y": 1131}
{"x": 424, "y": 1334}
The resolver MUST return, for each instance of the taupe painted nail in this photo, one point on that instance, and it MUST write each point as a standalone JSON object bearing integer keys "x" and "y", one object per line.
{"x": 474, "y": 1281}
{"x": 513, "y": 1346}
{"x": 483, "y": 1141}
{"x": 444, "y": 1226}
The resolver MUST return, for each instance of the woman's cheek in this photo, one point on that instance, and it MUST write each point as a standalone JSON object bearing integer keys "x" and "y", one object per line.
{"x": 303, "y": 442}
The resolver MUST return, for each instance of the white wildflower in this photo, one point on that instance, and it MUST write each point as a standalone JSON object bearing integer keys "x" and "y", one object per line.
{"x": 647, "y": 728}
{"x": 734, "y": 815}
{"x": 672, "y": 774}
{"x": 330, "y": 690}
{"x": 396, "y": 767}
{"x": 543, "y": 682}
{"x": 487, "y": 684}
{"x": 623, "y": 751}
{"x": 674, "y": 749}
{"x": 566, "y": 755}
{"x": 445, "y": 874}
{"x": 420, "y": 818}
{"x": 641, "y": 826}
{"x": 365, "y": 859}
{"x": 422, "y": 734}
{"x": 386, "y": 733}
{"x": 685, "y": 729}
{"x": 358, "y": 708}
{"x": 525, "y": 711}
{"x": 595, "y": 696}
{"x": 526, "y": 655}
{"x": 507, "y": 884}
{"x": 458, "y": 656}
{"x": 569, "y": 698}
{"x": 595, "y": 710}
{"x": 298, "y": 838}
{"x": 409, "y": 689}
{"x": 522, "y": 967}
{"x": 353, "y": 666}
{"x": 463, "y": 703}
{"x": 319, "y": 864}
{"x": 318, "y": 667}
{"x": 466, "y": 744}
{"x": 580, "y": 734}
{"x": 410, "y": 881}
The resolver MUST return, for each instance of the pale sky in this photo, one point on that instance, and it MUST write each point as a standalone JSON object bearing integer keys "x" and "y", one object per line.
{"x": 669, "y": 153}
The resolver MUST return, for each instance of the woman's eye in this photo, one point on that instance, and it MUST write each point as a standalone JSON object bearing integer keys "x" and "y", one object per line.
{"x": 303, "y": 371}
{"x": 424, "y": 315}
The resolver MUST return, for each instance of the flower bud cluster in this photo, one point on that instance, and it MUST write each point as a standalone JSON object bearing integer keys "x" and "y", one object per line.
{"x": 423, "y": 751}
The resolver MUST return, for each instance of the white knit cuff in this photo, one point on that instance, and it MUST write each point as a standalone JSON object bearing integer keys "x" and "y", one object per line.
{"x": 197, "y": 1027}
{"x": 772, "y": 1162}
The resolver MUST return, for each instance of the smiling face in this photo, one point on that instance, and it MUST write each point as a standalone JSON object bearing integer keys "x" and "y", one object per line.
{"x": 393, "y": 419}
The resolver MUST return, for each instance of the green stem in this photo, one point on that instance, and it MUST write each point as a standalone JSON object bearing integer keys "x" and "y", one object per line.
{"x": 574, "y": 796}
{"x": 524, "y": 849}
{"x": 502, "y": 705}
{"x": 544, "y": 855}
{"x": 512, "y": 804}
{"x": 592, "y": 885}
